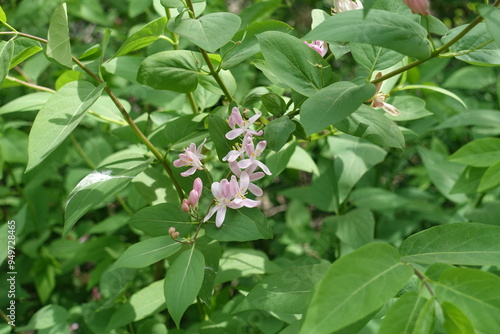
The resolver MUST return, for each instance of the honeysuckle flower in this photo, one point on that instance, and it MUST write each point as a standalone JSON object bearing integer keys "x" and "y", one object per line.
{"x": 194, "y": 196}
{"x": 191, "y": 157}
{"x": 253, "y": 154}
{"x": 235, "y": 119}
{"x": 378, "y": 100}
{"x": 319, "y": 46}
{"x": 252, "y": 175}
{"x": 238, "y": 150}
{"x": 418, "y": 6}
{"x": 346, "y": 5}
{"x": 224, "y": 193}
{"x": 240, "y": 198}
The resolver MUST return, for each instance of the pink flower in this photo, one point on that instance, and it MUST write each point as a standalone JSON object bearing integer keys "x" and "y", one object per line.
{"x": 238, "y": 150}
{"x": 379, "y": 98}
{"x": 224, "y": 193}
{"x": 319, "y": 46}
{"x": 254, "y": 189}
{"x": 418, "y": 6}
{"x": 194, "y": 195}
{"x": 240, "y": 198}
{"x": 191, "y": 157}
{"x": 253, "y": 153}
{"x": 243, "y": 126}
{"x": 346, "y": 5}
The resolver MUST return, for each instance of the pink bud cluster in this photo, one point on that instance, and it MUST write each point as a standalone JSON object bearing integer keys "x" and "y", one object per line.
{"x": 231, "y": 193}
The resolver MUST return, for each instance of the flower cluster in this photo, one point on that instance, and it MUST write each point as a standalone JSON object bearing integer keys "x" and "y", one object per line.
{"x": 232, "y": 193}
{"x": 243, "y": 163}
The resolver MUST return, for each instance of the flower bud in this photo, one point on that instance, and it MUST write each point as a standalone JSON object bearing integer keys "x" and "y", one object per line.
{"x": 184, "y": 207}
{"x": 418, "y": 6}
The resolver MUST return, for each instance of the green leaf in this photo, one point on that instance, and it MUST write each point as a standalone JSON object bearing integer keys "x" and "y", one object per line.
{"x": 211, "y": 250}
{"x": 143, "y": 37}
{"x": 356, "y": 285}
{"x": 156, "y": 220}
{"x": 373, "y": 57}
{"x": 171, "y": 70}
{"x": 242, "y": 262}
{"x": 183, "y": 282}
{"x": 288, "y": 291}
{"x": 436, "y": 89}
{"x": 58, "y": 46}
{"x": 380, "y": 28}
{"x": 179, "y": 131}
{"x": 491, "y": 178}
{"x": 469, "y": 180}
{"x": 278, "y": 131}
{"x": 471, "y": 77}
{"x": 474, "y": 48}
{"x": 277, "y": 162}
{"x": 354, "y": 229}
{"x": 378, "y": 199}
{"x": 373, "y": 126}
{"x": 245, "y": 224}
{"x": 48, "y": 316}
{"x": 294, "y": 63}
{"x": 217, "y": 127}
{"x": 209, "y": 32}
{"x": 24, "y": 48}
{"x": 480, "y": 118}
{"x": 410, "y": 107}
{"x": 442, "y": 172}
{"x": 488, "y": 213}
{"x": 274, "y": 104}
{"x": 492, "y": 17}
{"x": 111, "y": 176}
{"x": 147, "y": 252}
{"x": 247, "y": 44}
{"x": 353, "y": 157}
{"x": 3, "y": 17}
{"x": 333, "y": 104}
{"x": 32, "y": 101}
{"x": 59, "y": 117}
{"x": 6, "y": 53}
{"x": 176, "y": 3}
{"x": 483, "y": 152}
{"x": 459, "y": 243}
{"x": 140, "y": 305}
{"x": 455, "y": 321}
{"x": 402, "y": 315}
{"x": 474, "y": 292}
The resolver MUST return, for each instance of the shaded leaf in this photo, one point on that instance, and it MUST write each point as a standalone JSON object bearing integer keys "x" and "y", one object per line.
{"x": 147, "y": 252}
{"x": 59, "y": 116}
{"x": 483, "y": 152}
{"x": 143, "y": 37}
{"x": 380, "y": 28}
{"x": 209, "y": 32}
{"x": 156, "y": 220}
{"x": 356, "y": 285}
{"x": 58, "y": 46}
{"x": 277, "y": 132}
{"x": 459, "y": 243}
{"x": 333, "y": 104}
{"x": 6, "y": 53}
{"x": 183, "y": 282}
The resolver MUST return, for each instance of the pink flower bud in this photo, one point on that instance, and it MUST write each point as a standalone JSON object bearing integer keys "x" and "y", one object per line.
{"x": 418, "y": 6}
{"x": 171, "y": 230}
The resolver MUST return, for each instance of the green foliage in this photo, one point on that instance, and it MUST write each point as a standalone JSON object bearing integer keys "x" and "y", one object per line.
{"x": 219, "y": 167}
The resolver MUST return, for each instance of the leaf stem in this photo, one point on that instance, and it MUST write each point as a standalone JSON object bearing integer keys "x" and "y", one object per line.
{"x": 210, "y": 65}
{"x": 424, "y": 280}
{"x": 30, "y": 85}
